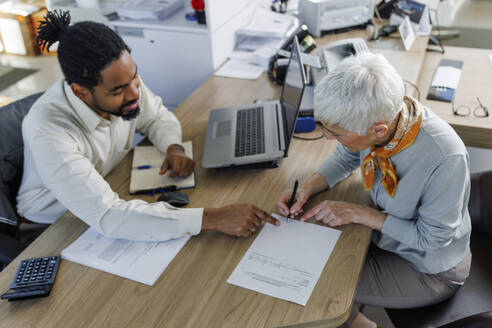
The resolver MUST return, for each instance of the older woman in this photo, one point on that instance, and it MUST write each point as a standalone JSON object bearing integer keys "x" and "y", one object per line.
{"x": 415, "y": 168}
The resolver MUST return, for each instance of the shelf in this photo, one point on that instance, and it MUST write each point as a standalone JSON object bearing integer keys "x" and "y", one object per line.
{"x": 176, "y": 22}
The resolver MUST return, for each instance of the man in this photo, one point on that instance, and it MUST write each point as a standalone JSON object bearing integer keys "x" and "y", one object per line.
{"x": 82, "y": 127}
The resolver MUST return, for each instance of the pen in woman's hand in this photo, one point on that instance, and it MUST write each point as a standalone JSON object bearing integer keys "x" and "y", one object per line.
{"x": 292, "y": 198}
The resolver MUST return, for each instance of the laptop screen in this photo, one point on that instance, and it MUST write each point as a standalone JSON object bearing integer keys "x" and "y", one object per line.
{"x": 292, "y": 90}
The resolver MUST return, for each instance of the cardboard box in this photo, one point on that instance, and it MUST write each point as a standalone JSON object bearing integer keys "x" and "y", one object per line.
{"x": 18, "y": 27}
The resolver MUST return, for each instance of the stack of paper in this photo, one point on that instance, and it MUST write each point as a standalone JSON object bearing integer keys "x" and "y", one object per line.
{"x": 240, "y": 69}
{"x": 136, "y": 260}
{"x": 267, "y": 23}
{"x": 266, "y": 29}
{"x": 149, "y": 9}
{"x": 261, "y": 38}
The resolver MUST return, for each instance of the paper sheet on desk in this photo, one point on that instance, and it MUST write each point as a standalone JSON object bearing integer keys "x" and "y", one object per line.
{"x": 286, "y": 261}
{"x": 447, "y": 77}
{"x": 240, "y": 69}
{"x": 135, "y": 260}
{"x": 268, "y": 24}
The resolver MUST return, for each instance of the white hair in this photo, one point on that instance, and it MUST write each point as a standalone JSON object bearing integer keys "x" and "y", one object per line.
{"x": 361, "y": 91}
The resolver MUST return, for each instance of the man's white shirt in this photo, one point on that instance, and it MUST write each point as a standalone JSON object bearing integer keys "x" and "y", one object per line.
{"x": 68, "y": 149}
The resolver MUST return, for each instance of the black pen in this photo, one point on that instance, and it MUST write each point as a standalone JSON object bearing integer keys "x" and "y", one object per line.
{"x": 292, "y": 199}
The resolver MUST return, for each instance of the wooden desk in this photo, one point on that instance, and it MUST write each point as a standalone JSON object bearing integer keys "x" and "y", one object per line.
{"x": 4, "y": 101}
{"x": 475, "y": 81}
{"x": 192, "y": 292}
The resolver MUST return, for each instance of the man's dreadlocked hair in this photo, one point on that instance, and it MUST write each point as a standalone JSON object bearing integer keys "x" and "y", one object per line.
{"x": 85, "y": 48}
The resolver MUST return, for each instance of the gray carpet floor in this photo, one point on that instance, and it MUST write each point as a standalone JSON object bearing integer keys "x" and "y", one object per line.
{"x": 10, "y": 75}
{"x": 469, "y": 38}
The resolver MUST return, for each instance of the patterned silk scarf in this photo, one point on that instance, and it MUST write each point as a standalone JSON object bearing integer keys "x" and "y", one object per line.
{"x": 407, "y": 130}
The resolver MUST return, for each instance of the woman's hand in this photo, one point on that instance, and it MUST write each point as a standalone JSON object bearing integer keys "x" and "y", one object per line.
{"x": 335, "y": 213}
{"x": 315, "y": 184}
{"x": 301, "y": 198}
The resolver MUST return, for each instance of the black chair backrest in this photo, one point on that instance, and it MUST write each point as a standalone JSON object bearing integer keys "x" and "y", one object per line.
{"x": 480, "y": 204}
{"x": 11, "y": 160}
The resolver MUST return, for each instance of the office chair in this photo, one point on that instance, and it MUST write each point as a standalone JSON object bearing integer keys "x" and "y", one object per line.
{"x": 14, "y": 235}
{"x": 471, "y": 306}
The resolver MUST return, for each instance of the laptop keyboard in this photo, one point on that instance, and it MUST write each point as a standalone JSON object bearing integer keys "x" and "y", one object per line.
{"x": 250, "y": 137}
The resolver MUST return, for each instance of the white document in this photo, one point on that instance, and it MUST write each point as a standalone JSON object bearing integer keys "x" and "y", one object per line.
{"x": 252, "y": 43}
{"x": 140, "y": 261}
{"x": 490, "y": 58}
{"x": 406, "y": 32}
{"x": 447, "y": 77}
{"x": 240, "y": 69}
{"x": 149, "y": 9}
{"x": 268, "y": 24}
{"x": 286, "y": 261}
{"x": 241, "y": 55}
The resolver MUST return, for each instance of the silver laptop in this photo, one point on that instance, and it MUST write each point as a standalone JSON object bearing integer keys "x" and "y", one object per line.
{"x": 260, "y": 132}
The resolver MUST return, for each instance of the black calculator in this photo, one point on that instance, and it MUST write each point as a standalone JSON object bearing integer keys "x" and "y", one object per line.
{"x": 34, "y": 278}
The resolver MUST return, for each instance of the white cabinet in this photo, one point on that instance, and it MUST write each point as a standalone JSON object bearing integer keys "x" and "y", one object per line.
{"x": 172, "y": 64}
{"x": 175, "y": 56}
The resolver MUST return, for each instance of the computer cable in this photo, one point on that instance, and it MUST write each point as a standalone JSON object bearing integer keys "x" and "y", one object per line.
{"x": 309, "y": 139}
{"x": 438, "y": 37}
{"x": 414, "y": 86}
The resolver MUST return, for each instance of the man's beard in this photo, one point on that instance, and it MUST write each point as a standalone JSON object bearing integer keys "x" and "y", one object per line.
{"x": 119, "y": 113}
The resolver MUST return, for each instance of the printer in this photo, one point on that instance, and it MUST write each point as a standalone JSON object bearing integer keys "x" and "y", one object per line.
{"x": 330, "y": 56}
{"x": 327, "y": 15}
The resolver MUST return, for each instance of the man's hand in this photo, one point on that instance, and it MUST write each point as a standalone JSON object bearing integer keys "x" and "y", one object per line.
{"x": 334, "y": 214}
{"x": 177, "y": 162}
{"x": 302, "y": 197}
{"x": 239, "y": 220}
